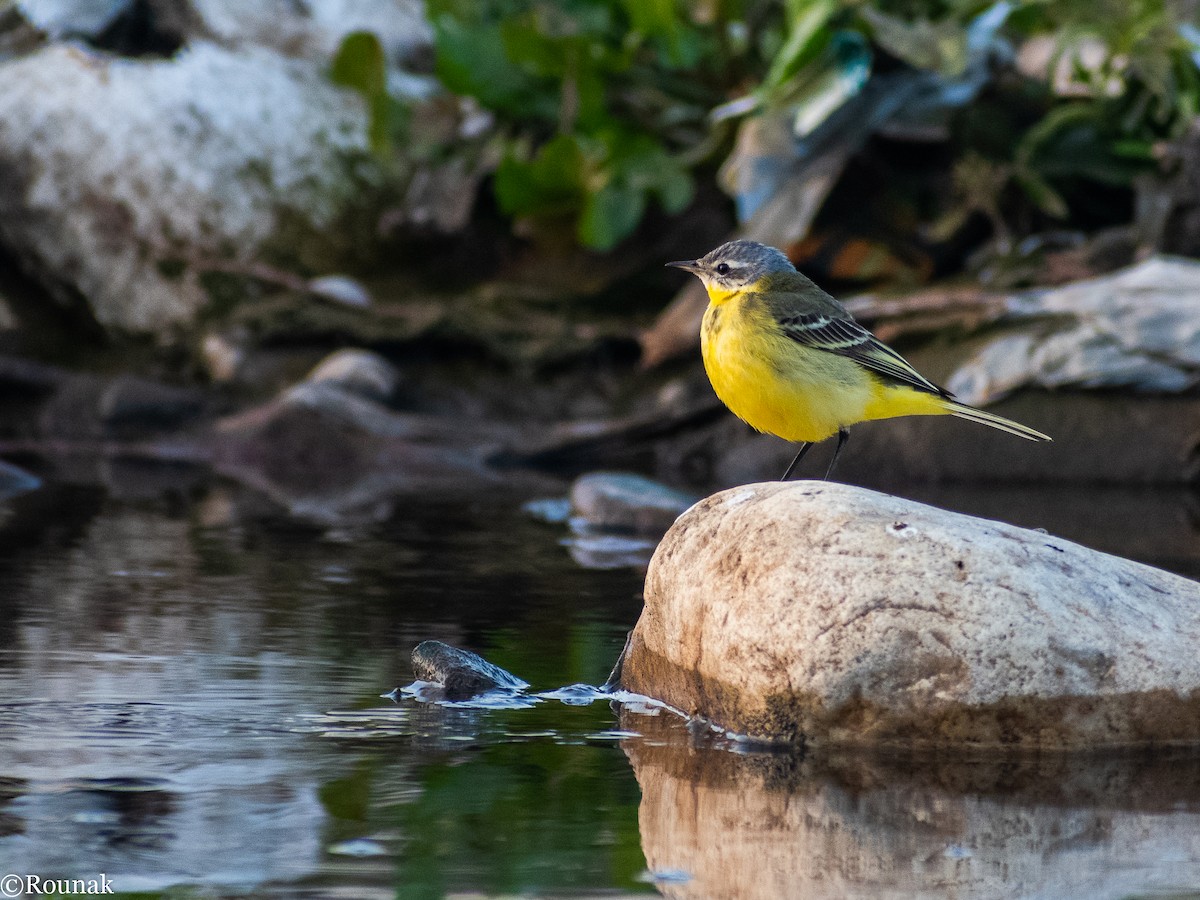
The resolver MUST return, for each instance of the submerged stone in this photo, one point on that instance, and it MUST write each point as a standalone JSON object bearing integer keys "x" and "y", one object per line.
{"x": 461, "y": 673}
{"x": 622, "y": 501}
{"x": 823, "y": 613}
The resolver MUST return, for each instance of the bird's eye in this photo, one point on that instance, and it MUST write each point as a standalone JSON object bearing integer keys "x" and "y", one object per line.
{"x": 723, "y": 269}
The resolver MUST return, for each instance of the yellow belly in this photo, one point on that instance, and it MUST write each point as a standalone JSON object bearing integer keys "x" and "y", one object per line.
{"x": 795, "y": 392}
{"x": 777, "y": 385}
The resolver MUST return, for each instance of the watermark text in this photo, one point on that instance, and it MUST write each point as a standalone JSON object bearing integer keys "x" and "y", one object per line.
{"x": 14, "y": 885}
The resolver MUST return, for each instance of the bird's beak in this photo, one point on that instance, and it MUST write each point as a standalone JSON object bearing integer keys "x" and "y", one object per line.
{"x": 689, "y": 265}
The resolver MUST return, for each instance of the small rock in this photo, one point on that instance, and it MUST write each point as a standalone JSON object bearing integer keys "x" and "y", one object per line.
{"x": 360, "y": 372}
{"x": 223, "y": 355}
{"x": 139, "y": 405}
{"x": 825, "y": 613}
{"x": 620, "y": 501}
{"x": 552, "y": 510}
{"x": 461, "y": 673}
{"x": 341, "y": 289}
{"x": 15, "y": 481}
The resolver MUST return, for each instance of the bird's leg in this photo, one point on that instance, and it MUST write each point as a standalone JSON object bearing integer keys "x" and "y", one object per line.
{"x": 799, "y": 456}
{"x": 843, "y": 436}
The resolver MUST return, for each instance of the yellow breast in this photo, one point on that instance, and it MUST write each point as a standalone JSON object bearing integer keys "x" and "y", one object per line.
{"x": 775, "y": 384}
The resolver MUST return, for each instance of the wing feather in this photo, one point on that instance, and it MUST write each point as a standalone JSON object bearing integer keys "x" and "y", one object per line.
{"x": 845, "y": 337}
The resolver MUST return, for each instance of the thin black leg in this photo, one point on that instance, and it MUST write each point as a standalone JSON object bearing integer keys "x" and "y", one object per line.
{"x": 799, "y": 456}
{"x": 843, "y": 436}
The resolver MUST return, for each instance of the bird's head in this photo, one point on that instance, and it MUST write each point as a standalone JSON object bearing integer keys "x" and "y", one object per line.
{"x": 735, "y": 267}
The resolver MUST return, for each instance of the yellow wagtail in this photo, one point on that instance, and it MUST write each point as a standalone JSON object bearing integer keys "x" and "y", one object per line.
{"x": 789, "y": 359}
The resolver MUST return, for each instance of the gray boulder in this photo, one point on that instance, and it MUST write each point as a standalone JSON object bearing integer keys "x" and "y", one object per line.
{"x": 328, "y": 450}
{"x": 314, "y": 28}
{"x": 125, "y": 181}
{"x": 829, "y": 614}
{"x": 1137, "y": 328}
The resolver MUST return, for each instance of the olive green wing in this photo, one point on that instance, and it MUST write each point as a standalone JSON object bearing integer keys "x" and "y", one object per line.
{"x": 845, "y": 337}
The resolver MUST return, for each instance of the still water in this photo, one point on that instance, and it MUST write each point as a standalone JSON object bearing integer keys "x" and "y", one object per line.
{"x": 190, "y": 704}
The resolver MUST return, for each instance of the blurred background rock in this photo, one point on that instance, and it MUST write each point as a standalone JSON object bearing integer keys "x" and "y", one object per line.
{"x": 209, "y": 197}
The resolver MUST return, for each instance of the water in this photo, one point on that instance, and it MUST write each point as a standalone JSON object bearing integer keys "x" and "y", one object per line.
{"x": 190, "y": 704}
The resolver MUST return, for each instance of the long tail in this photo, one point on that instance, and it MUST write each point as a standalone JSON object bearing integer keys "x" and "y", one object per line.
{"x": 986, "y": 418}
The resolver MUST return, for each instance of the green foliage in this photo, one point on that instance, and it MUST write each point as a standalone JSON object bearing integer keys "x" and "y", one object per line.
{"x": 602, "y": 181}
{"x": 605, "y": 108}
{"x": 597, "y": 98}
{"x": 1140, "y": 87}
{"x": 1124, "y": 77}
{"x": 807, "y": 30}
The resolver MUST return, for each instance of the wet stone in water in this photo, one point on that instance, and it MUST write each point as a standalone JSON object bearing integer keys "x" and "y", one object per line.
{"x": 461, "y": 673}
{"x": 624, "y": 502}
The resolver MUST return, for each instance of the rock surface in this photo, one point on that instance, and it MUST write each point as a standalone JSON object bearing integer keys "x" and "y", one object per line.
{"x": 316, "y": 27}
{"x": 328, "y": 450}
{"x": 624, "y": 501}
{"x": 460, "y": 673}
{"x": 827, "y": 614}
{"x": 122, "y": 178}
{"x": 1137, "y": 328}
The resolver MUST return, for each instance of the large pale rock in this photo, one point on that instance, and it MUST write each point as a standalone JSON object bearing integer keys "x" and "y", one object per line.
{"x": 311, "y": 29}
{"x": 122, "y": 181}
{"x": 825, "y": 613}
{"x": 316, "y": 27}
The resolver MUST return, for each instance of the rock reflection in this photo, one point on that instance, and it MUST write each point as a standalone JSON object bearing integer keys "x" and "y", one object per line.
{"x": 774, "y": 826}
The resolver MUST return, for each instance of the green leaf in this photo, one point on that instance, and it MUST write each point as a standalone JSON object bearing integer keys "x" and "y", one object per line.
{"x": 932, "y": 46}
{"x": 652, "y": 18}
{"x": 675, "y": 190}
{"x": 551, "y": 183}
{"x": 808, "y": 34}
{"x": 610, "y": 215}
{"x": 473, "y": 60}
{"x": 360, "y": 64}
{"x": 659, "y": 21}
{"x": 1046, "y": 198}
{"x": 527, "y": 47}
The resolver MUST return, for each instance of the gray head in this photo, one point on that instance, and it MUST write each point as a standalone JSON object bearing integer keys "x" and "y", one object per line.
{"x": 736, "y": 265}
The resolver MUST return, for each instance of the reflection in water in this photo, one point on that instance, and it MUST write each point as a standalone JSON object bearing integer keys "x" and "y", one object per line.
{"x": 190, "y": 696}
{"x": 776, "y": 826}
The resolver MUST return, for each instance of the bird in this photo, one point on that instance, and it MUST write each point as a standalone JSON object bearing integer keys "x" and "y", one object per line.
{"x": 790, "y": 360}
